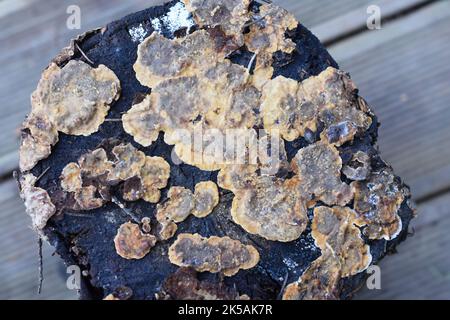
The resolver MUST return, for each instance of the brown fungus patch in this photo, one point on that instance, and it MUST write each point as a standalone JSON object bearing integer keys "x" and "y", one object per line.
{"x": 230, "y": 15}
{"x": 358, "y": 168}
{"x": 185, "y": 285}
{"x": 329, "y": 98}
{"x": 176, "y": 209}
{"x": 212, "y": 254}
{"x": 318, "y": 167}
{"x": 336, "y": 229}
{"x": 271, "y": 208}
{"x": 132, "y": 243}
{"x": 344, "y": 254}
{"x": 182, "y": 202}
{"x": 206, "y": 198}
{"x": 74, "y": 99}
{"x": 377, "y": 200}
{"x": 319, "y": 282}
{"x": 268, "y": 36}
{"x": 89, "y": 181}
{"x": 37, "y": 201}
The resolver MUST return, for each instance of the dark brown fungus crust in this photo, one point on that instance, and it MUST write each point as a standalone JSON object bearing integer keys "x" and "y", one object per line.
{"x": 185, "y": 285}
{"x": 132, "y": 243}
{"x": 212, "y": 254}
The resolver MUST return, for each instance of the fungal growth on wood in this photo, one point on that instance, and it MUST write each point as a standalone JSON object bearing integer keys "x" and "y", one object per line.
{"x": 237, "y": 148}
{"x": 182, "y": 202}
{"x": 378, "y": 200}
{"x": 185, "y": 285}
{"x": 212, "y": 254}
{"x": 38, "y": 203}
{"x": 74, "y": 99}
{"x": 89, "y": 181}
{"x": 132, "y": 243}
{"x": 344, "y": 254}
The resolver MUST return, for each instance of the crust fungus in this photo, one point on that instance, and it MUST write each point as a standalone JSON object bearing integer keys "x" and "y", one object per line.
{"x": 358, "y": 168}
{"x": 184, "y": 285}
{"x": 271, "y": 208}
{"x": 142, "y": 176}
{"x": 206, "y": 198}
{"x": 132, "y": 243}
{"x": 176, "y": 209}
{"x": 329, "y": 98}
{"x": 319, "y": 169}
{"x": 230, "y": 15}
{"x": 38, "y": 204}
{"x": 212, "y": 254}
{"x": 181, "y": 203}
{"x": 344, "y": 254}
{"x": 268, "y": 36}
{"x": 377, "y": 200}
{"x": 74, "y": 99}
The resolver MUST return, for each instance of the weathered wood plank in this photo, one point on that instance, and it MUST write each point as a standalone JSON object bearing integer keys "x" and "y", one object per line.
{"x": 36, "y": 32}
{"x": 403, "y": 71}
{"x": 420, "y": 269}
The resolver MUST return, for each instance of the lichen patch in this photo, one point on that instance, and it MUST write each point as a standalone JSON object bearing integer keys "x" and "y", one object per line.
{"x": 132, "y": 243}
{"x": 206, "y": 198}
{"x": 212, "y": 254}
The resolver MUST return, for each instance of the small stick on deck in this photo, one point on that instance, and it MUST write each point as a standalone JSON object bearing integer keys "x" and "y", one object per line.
{"x": 41, "y": 265}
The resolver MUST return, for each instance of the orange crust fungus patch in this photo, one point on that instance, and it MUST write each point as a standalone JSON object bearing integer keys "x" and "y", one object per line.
{"x": 212, "y": 254}
{"x": 377, "y": 200}
{"x": 271, "y": 208}
{"x": 37, "y": 201}
{"x": 132, "y": 243}
{"x": 269, "y": 36}
{"x": 330, "y": 98}
{"x": 318, "y": 167}
{"x": 74, "y": 99}
{"x": 182, "y": 202}
{"x": 344, "y": 254}
{"x": 143, "y": 176}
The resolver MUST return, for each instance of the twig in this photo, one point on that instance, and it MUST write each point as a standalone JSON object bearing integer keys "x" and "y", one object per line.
{"x": 280, "y": 295}
{"x": 248, "y": 24}
{"x": 42, "y": 175}
{"x": 124, "y": 209}
{"x": 252, "y": 60}
{"x": 113, "y": 120}
{"x": 41, "y": 265}
{"x": 83, "y": 54}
